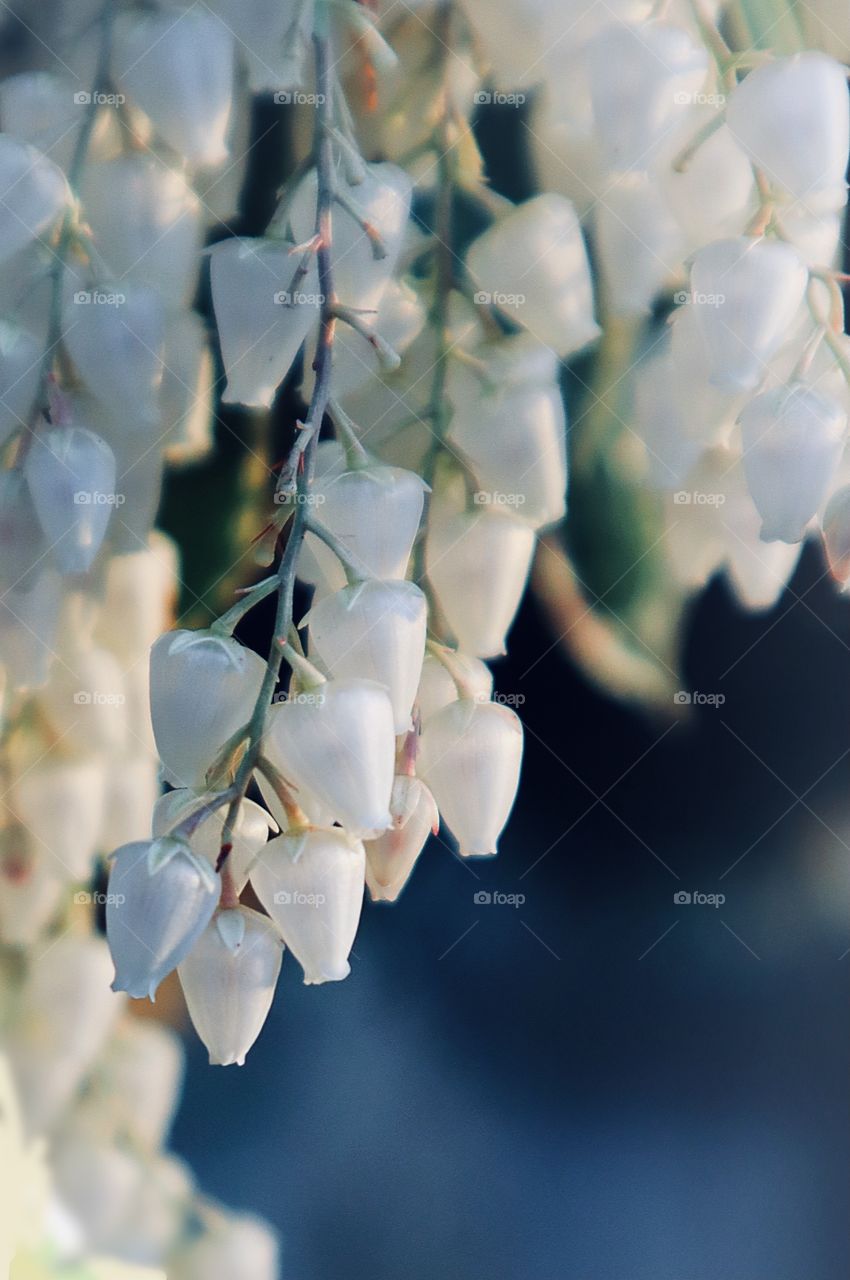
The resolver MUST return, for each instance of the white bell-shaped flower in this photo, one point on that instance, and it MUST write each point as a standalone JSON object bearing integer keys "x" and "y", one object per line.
{"x": 375, "y": 512}
{"x": 478, "y": 563}
{"x": 835, "y": 525}
{"x": 114, "y": 334}
{"x": 273, "y": 40}
{"x": 229, "y": 978}
{"x": 33, "y": 195}
{"x": 147, "y": 223}
{"x": 233, "y": 1248}
{"x": 179, "y": 71}
{"x": 745, "y": 294}
{"x": 19, "y": 376}
{"x": 138, "y": 592}
{"x": 714, "y": 193}
{"x": 642, "y": 81}
{"x": 470, "y": 755}
{"x": 261, "y": 320}
{"x": 71, "y": 476}
{"x": 336, "y": 742}
{"x": 311, "y": 883}
{"x": 391, "y": 857}
{"x": 532, "y": 265}
{"x": 135, "y": 1086}
{"x": 374, "y": 631}
{"x": 399, "y": 320}
{"x": 513, "y": 436}
{"x": 67, "y": 1012}
{"x": 203, "y": 688}
{"x": 438, "y": 686}
{"x": 160, "y": 898}
{"x": 639, "y": 243}
{"x": 86, "y": 699}
{"x": 61, "y": 804}
{"x": 250, "y": 832}
{"x": 382, "y": 202}
{"x": 790, "y": 116}
{"x": 793, "y": 437}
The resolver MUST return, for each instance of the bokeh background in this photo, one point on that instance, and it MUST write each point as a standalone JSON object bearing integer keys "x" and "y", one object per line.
{"x": 597, "y": 1084}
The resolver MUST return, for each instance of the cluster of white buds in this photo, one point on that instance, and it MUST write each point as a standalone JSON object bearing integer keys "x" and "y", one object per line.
{"x": 115, "y": 130}
{"x": 425, "y": 322}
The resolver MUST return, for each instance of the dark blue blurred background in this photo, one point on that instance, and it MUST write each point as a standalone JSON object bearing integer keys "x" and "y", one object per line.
{"x": 598, "y": 1084}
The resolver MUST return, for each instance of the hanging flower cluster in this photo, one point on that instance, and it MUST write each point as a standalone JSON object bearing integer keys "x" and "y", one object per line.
{"x": 682, "y": 246}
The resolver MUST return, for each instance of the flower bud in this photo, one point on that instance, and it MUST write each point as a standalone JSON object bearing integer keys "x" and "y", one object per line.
{"x": 67, "y": 1012}
{"x": 117, "y": 347}
{"x": 382, "y": 200}
{"x": 793, "y": 437}
{"x": 138, "y": 592}
{"x": 160, "y": 898}
{"x": 135, "y": 1087}
{"x": 336, "y": 742}
{"x": 71, "y": 476}
{"x": 532, "y": 265}
{"x": 469, "y": 755}
{"x": 790, "y": 116}
{"x": 642, "y": 81}
{"x": 514, "y": 438}
{"x": 438, "y": 687}
{"x": 228, "y": 979}
{"x": 639, "y": 243}
{"x": 203, "y": 688}
{"x": 85, "y": 698}
{"x": 272, "y": 39}
{"x": 179, "y": 71}
{"x": 261, "y": 321}
{"x": 19, "y": 377}
{"x": 147, "y": 223}
{"x": 374, "y": 631}
{"x": 33, "y": 195}
{"x": 746, "y": 293}
{"x": 311, "y": 883}
{"x": 61, "y": 804}
{"x": 391, "y": 857}
{"x": 250, "y": 832}
{"x": 34, "y": 108}
{"x": 713, "y": 193}
{"x": 375, "y": 512}
{"x": 478, "y": 563}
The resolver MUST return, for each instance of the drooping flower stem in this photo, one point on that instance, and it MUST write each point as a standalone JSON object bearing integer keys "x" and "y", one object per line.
{"x": 297, "y": 473}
